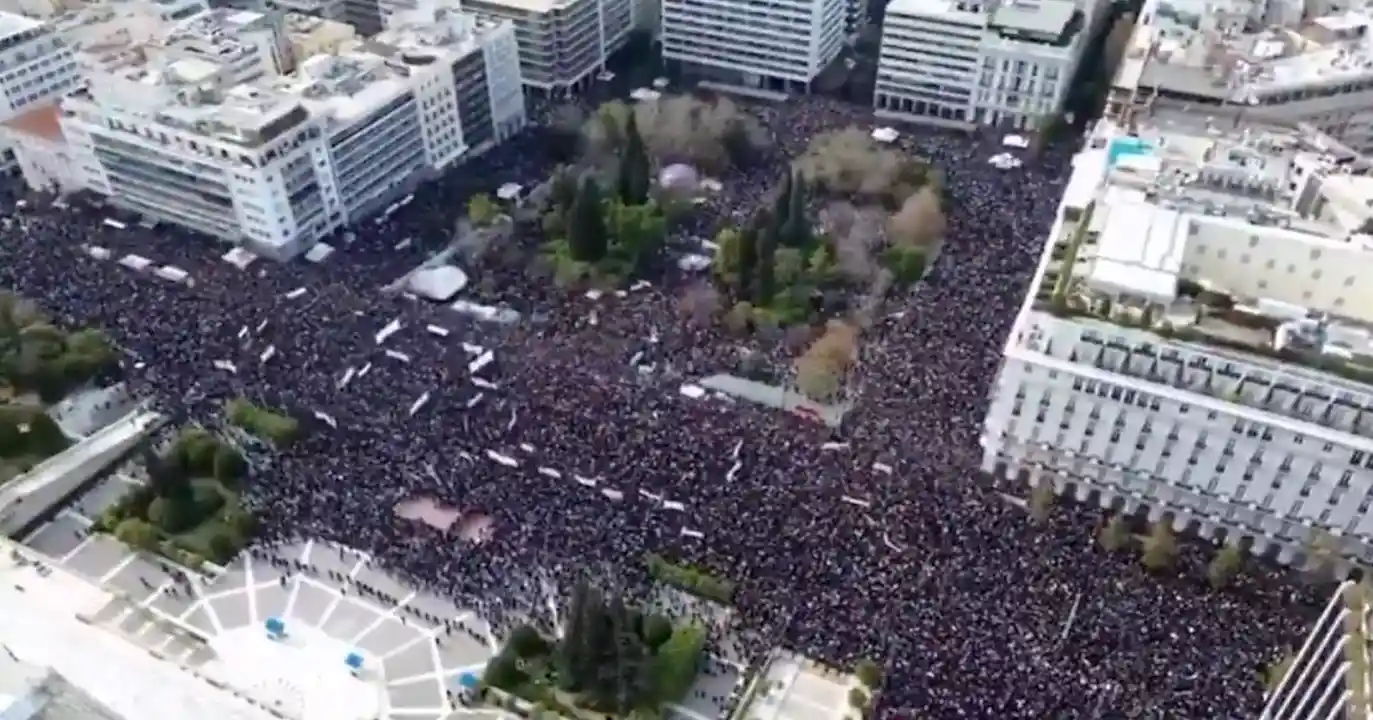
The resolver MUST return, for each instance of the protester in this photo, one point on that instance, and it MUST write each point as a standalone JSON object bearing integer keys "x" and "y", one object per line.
{"x": 580, "y": 461}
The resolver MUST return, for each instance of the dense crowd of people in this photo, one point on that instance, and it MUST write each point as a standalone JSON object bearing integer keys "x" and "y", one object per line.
{"x": 578, "y": 460}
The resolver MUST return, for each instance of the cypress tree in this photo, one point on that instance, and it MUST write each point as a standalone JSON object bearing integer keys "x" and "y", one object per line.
{"x": 586, "y": 231}
{"x": 632, "y": 179}
{"x": 798, "y": 228}
{"x": 748, "y": 261}
{"x": 765, "y": 271}
{"x": 571, "y": 659}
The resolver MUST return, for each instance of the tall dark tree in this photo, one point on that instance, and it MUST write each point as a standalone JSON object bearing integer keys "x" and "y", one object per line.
{"x": 632, "y": 179}
{"x": 781, "y": 205}
{"x": 797, "y": 231}
{"x": 765, "y": 280}
{"x": 571, "y": 659}
{"x": 167, "y": 477}
{"x": 748, "y": 261}
{"x": 586, "y": 231}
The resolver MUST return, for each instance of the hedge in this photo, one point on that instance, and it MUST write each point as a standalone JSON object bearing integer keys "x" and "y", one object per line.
{"x": 677, "y": 662}
{"x": 690, "y": 579}
{"x": 280, "y": 430}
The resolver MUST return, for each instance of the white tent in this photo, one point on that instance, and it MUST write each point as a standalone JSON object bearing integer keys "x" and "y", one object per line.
{"x": 644, "y": 95}
{"x": 679, "y": 177}
{"x": 97, "y": 252}
{"x": 172, "y": 273}
{"x": 319, "y": 252}
{"x": 1015, "y": 141}
{"x": 239, "y": 258}
{"x": 135, "y": 262}
{"x": 439, "y": 284}
{"x": 885, "y": 135}
{"x": 510, "y": 192}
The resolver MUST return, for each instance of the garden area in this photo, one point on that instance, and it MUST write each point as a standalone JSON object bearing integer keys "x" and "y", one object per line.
{"x": 189, "y": 509}
{"x": 40, "y": 364}
{"x": 277, "y": 428}
{"x": 689, "y": 579}
{"x": 612, "y": 660}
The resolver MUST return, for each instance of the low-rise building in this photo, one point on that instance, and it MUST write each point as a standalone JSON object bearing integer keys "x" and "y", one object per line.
{"x": 36, "y": 67}
{"x": 1197, "y": 343}
{"x": 781, "y": 45}
{"x": 967, "y": 62}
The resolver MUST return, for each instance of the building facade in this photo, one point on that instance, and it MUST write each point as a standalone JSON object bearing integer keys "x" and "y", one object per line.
{"x": 1192, "y": 345}
{"x": 36, "y": 67}
{"x": 780, "y": 45}
{"x": 280, "y": 162}
{"x": 968, "y": 62}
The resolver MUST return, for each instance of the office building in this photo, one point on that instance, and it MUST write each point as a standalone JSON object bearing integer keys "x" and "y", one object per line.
{"x": 967, "y": 62}
{"x": 279, "y": 162}
{"x": 55, "y": 9}
{"x": 36, "y": 67}
{"x": 1316, "y": 70}
{"x": 1196, "y": 340}
{"x": 564, "y": 44}
{"x": 779, "y": 45}
{"x": 1321, "y": 680}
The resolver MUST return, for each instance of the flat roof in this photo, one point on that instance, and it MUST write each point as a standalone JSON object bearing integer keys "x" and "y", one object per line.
{"x": 795, "y": 688}
{"x": 12, "y": 24}
{"x": 1141, "y": 246}
{"x": 40, "y": 627}
{"x": 38, "y": 122}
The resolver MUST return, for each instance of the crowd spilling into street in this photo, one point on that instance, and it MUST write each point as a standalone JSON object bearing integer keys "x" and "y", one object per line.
{"x": 878, "y": 540}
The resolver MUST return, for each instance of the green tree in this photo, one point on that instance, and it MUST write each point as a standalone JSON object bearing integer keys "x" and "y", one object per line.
{"x": 1115, "y": 536}
{"x": 868, "y": 673}
{"x": 798, "y": 233}
{"x": 575, "y": 656}
{"x": 765, "y": 287}
{"x": 170, "y": 515}
{"x": 242, "y": 523}
{"x": 503, "y": 672}
{"x": 222, "y": 546}
{"x": 858, "y": 700}
{"x": 1160, "y": 548}
{"x": 676, "y": 662}
{"x": 1224, "y": 566}
{"x": 45, "y": 437}
{"x": 633, "y": 173}
{"x": 229, "y": 465}
{"x": 656, "y": 631}
{"x": 638, "y": 230}
{"x": 562, "y": 189}
{"x": 788, "y": 266}
{"x": 728, "y": 246}
{"x": 906, "y": 263}
{"x": 11, "y": 441}
{"x": 136, "y": 534}
{"x": 482, "y": 210}
{"x": 586, "y": 231}
{"x": 748, "y": 261}
{"x": 196, "y": 449}
{"x": 167, "y": 476}
{"x": 527, "y": 643}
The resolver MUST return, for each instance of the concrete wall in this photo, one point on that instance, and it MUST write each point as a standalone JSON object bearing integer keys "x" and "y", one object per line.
{"x": 54, "y": 480}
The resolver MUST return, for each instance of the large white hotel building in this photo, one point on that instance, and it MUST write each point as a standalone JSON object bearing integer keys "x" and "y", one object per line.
{"x": 1197, "y": 337}
{"x": 205, "y": 127}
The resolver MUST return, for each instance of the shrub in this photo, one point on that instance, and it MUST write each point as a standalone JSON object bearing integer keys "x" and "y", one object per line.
{"x": 196, "y": 449}
{"x": 690, "y": 579}
{"x": 868, "y": 673}
{"x": 222, "y": 546}
{"x": 172, "y": 516}
{"x": 208, "y": 500}
{"x": 229, "y": 465}
{"x": 280, "y": 430}
{"x": 677, "y": 661}
{"x": 137, "y": 534}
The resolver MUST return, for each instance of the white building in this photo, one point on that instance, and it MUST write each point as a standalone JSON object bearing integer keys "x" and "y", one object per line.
{"x": 1318, "y": 69}
{"x": 778, "y": 45}
{"x": 36, "y": 67}
{"x": 282, "y": 161}
{"x": 1242, "y": 410}
{"x": 965, "y": 62}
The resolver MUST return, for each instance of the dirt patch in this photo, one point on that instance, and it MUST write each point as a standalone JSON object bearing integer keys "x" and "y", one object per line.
{"x": 429, "y": 511}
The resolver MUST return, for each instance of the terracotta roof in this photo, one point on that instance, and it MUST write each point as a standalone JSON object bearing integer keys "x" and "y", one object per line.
{"x": 38, "y": 122}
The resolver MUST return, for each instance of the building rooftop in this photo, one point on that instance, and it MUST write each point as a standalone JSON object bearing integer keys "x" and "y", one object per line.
{"x": 1217, "y": 53}
{"x": 40, "y": 628}
{"x": 39, "y": 122}
{"x": 12, "y": 24}
{"x": 1251, "y": 240}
